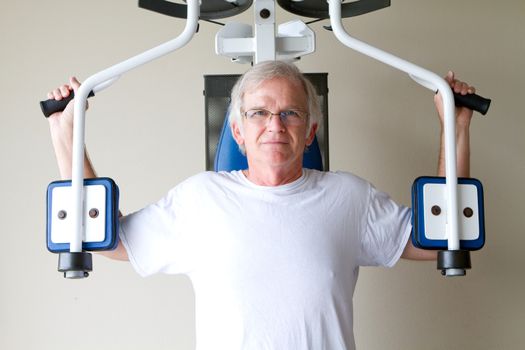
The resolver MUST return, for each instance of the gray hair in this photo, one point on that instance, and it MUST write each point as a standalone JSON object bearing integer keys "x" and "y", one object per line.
{"x": 266, "y": 71}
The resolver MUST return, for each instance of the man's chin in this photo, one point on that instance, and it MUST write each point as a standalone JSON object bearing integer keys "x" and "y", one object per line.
{"x": 279, "y": 158}
{"x": 274, "y": 154}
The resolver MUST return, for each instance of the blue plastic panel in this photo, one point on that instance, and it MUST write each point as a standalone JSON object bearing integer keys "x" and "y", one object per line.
{"x": 109, "y": 239}
{"x": 425, "y": 240}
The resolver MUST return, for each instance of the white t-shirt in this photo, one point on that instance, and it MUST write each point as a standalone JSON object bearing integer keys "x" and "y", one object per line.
{"x": 271, "y": 267}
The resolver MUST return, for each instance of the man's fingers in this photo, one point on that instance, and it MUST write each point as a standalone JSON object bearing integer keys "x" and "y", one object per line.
{"x": 459, "y": 86}
{"x": 64, "y": 90}
{"x": 463, "y": 88}
{"x": 59, "y": 93}
{"x": 450, "y": 77}
{"x": 74, "y": 82}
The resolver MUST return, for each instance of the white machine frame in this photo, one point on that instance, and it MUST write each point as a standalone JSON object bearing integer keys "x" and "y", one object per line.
{"x": 292, "y": 40}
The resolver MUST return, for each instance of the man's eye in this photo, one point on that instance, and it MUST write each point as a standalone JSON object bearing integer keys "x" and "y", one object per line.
{"x": 260, "y": 113}
{"x": 257, "y": 113}
{"x": 290, "y": 114}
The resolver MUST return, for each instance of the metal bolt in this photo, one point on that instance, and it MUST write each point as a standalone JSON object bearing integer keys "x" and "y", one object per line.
{"x": 93, "y": 213}
{"x": 436, "y": 210}
{"x": 265, "y": 13}
{"x": 468, "y": 212}
{"x": 62, "y": 214}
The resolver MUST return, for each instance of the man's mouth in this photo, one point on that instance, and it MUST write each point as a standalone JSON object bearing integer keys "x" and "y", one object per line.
{"x": 275, "y": 142}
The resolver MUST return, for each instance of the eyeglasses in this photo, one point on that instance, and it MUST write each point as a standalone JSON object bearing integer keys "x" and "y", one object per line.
{"x": 288, "y": 117}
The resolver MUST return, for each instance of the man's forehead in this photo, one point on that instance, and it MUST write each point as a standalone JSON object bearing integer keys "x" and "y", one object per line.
{"x": 279, "y": 80}
{"x": 279, "y": 87}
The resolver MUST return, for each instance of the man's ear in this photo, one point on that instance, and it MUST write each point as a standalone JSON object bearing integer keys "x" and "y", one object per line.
{"x": 311, "y": 135}
{"x": 237, "y": 134}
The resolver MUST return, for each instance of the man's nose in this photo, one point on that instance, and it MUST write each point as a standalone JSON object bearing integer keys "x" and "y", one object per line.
{"x": 275, "y": 123}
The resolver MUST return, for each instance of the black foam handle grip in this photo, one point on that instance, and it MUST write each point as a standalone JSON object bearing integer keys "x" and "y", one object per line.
{"x": 51, "y": 106}
{"x": 472, "y": 101}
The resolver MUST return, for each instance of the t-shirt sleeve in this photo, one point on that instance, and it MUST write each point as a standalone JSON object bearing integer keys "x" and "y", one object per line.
{"x": 387, "y": 229}
{"x": 155, "y": 236}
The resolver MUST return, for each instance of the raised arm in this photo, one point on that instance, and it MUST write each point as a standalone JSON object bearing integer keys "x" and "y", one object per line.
{"x": 61, "y": 129}
{"x": 463, "y": 117}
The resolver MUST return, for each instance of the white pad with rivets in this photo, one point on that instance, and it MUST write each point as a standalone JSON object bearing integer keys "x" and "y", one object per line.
{"x": 435, "y": 225}
{"x": 62, "y": 229}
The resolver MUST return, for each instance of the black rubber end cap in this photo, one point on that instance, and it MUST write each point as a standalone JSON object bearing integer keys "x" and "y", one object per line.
{"x": 449, "y": 261}
{"x": 75, "y": 265}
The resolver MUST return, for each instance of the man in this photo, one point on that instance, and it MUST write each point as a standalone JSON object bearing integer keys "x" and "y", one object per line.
{"x": 273, "y": 251}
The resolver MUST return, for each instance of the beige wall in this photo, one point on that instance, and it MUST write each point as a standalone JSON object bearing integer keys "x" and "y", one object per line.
{"x": 147, "y": 132}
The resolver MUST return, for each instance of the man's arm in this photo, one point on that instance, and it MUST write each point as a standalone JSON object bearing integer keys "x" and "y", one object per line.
{"x": 463, "y": 118}
{"x": 61, "y": 129}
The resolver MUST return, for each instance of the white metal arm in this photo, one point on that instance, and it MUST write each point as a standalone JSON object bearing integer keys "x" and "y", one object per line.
{"x": 98, "y": 82}
{"x": 429, "y": 80}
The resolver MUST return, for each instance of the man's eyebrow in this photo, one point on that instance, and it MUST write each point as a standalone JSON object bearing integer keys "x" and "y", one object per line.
{"x": 287, "y": 108}
{"x": 256, "y": 107}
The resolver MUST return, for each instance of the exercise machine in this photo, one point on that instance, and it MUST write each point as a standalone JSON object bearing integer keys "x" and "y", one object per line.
{"x": 82, "y": 214}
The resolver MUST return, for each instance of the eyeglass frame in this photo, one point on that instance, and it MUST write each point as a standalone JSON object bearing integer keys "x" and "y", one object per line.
{"x": 303, "y": 116}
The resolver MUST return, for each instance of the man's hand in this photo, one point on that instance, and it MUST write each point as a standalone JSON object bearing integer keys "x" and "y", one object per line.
{"x": 61, "y": 123}
{"x": 463, "y": 114}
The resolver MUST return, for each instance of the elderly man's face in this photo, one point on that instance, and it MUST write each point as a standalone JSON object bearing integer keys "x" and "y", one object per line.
{"x": 274, "y": 142}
